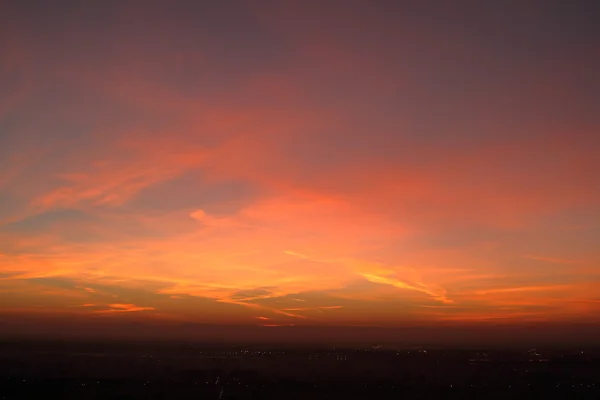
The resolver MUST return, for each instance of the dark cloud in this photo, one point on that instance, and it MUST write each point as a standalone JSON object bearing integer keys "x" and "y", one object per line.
{"x": 251, "y": 294}
{"x": 11, "y": 274}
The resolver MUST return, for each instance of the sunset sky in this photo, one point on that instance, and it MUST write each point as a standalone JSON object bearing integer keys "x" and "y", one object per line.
{"x": 307, "y": 163}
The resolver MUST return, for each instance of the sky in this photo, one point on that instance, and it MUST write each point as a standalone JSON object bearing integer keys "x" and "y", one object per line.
{"x": 326, "y": 164}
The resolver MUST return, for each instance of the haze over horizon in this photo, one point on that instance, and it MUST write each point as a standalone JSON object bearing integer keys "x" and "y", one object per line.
{"x": 309, "y": 164}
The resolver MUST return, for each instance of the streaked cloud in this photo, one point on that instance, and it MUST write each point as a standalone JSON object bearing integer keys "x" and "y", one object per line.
{"x": 545, "y": 288}
{"x": 125, "y": 308}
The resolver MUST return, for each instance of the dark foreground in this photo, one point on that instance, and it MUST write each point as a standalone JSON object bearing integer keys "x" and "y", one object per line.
{"x": 30, "y": 370}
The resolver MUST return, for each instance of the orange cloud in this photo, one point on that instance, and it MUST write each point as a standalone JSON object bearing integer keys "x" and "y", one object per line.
{"x": 525, "y": 289}
{"x": 112, "y": 308}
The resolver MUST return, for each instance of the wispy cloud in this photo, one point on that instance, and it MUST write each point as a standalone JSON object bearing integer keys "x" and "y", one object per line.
{"x": 313, "y": 308}
{"x": 118, "y": 308}
{"x": 437, "y": 294}
{"x": 541, "y": 288}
